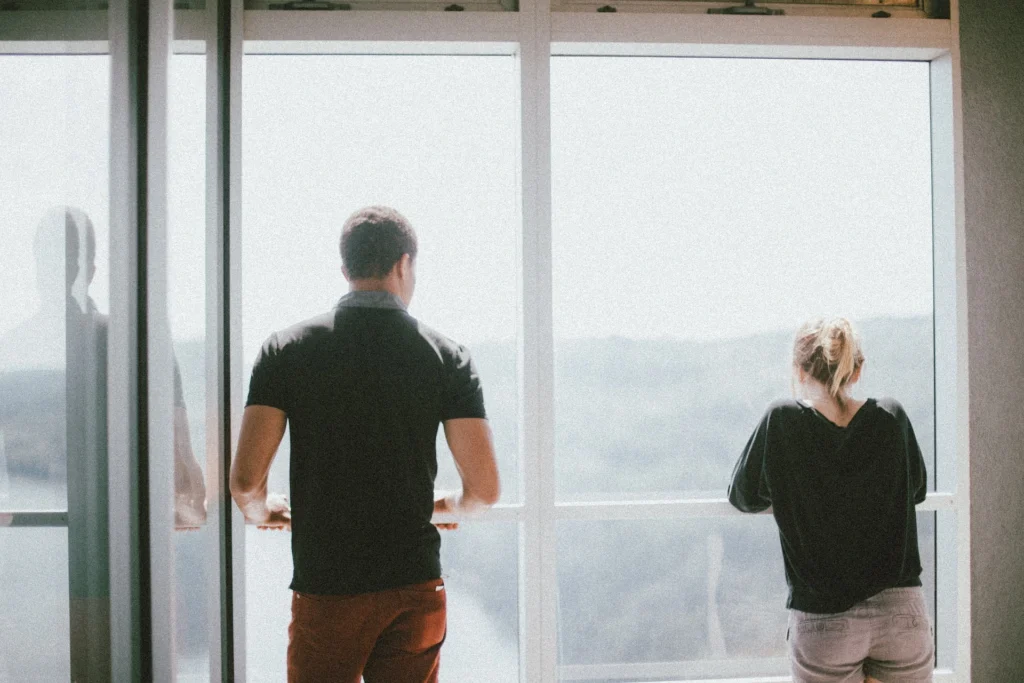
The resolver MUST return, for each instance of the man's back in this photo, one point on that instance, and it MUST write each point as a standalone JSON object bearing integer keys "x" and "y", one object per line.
{"x": 364, "y": 388}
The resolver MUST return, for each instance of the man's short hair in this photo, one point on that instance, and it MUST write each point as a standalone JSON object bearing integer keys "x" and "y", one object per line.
{"x": 373, "y": 240}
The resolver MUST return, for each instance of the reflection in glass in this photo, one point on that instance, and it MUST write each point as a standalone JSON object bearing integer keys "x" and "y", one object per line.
{"x": 186, "y": 227}
{"x": 702, "y": 209}
{"x": 54, "y": 131}
{"x": 53, "y": 210}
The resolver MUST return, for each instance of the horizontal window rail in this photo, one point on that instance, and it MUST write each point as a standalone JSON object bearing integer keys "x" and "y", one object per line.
{"x": 513, "y": 512}
{"x": 635, "y": 671}
{"x": 766, "y": 670}
{"x": 691, "y": 507}
{"x": 40, "y": 518}
{"x": 652, "y": 509}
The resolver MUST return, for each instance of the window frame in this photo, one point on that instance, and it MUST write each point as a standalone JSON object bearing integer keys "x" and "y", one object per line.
{"x": 534, "y": 35}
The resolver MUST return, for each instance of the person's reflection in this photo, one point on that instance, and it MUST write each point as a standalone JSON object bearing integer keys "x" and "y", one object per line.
{"x": 32, "y": 378}
{"x": 53, "y": 424}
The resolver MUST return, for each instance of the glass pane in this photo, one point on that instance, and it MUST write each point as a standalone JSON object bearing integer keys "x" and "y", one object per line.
{"x": 946, "y": 609}
{"x": 54, "y": 303}
{"x": 481, "y": 578}
{"x": 34, "y": 629}
{"x": 186, "y": 144}
{"x": 671, "y": 591}
{"x": 481, "y": 572}
{"x": 681, "y": 594}
{"x": 54, "y": 133}
{"x": 435, "y": 137}
{"x": 702, "y": 209}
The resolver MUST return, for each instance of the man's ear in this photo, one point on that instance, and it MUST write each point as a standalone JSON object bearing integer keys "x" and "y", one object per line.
{"x": 344, "y": 271}
{"x": 404, "y": 266}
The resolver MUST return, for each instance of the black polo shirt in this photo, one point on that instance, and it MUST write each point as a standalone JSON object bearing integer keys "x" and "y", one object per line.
{"x": 843, "y": 498}
{"x": 364, "y": 387}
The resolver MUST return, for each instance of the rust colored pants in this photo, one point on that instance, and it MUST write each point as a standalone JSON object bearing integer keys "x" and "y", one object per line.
{"x": 390, "y": 636}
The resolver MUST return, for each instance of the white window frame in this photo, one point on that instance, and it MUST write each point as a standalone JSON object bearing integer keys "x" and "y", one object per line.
{"x": 533, "y": 35}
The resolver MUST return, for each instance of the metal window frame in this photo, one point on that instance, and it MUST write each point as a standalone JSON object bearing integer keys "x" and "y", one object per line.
{"x": 140, "y": 393}
{"x": 534, "y": 34}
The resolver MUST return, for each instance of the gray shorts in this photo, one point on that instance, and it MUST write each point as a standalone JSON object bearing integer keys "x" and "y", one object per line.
{"x": 887, "y": 637}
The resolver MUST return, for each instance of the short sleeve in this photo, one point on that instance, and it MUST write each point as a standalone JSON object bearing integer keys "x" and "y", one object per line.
{"x": 463, "y": 396}
{"x": 915, "y": 462}
{"x": 749, "y": 490}
{"x": 268, "y": 387}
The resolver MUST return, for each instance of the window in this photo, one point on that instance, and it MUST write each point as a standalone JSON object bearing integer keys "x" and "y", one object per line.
{"x": 434, "y": 137}
{"x": 54, "y": 277}
{"x": 629, "y": 331}
{"x": 702, "y": 209}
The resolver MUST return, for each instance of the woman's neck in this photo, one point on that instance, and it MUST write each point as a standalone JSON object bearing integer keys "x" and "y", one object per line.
{"x": 839, "y": 412}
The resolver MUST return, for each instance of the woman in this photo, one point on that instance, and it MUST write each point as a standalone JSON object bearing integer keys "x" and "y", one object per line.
{"x": 842, "y": 477}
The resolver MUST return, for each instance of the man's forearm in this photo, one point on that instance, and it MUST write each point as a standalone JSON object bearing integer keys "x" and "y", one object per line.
{"x": 251, "y": 500}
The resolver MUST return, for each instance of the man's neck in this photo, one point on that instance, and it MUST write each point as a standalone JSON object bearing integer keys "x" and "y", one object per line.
{"x": 375, "y": 286}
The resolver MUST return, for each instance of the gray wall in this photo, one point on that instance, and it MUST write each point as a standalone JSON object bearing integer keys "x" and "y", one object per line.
{"x": 992, "y": 58}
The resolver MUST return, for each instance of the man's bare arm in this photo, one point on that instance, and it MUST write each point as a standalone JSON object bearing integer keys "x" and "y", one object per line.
{"x": 472, "y": 446}
{"x": 261, "y": 434}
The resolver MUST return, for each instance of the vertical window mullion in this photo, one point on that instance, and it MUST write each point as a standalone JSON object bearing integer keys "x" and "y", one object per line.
{"x": 538, "y": 574}
{"x": 140, "y": 437}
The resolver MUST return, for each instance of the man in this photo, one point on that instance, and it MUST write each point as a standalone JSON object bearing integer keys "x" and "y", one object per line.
{"x": 363, "y": 389}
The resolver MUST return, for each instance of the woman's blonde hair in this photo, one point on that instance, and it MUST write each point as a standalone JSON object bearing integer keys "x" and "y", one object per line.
{"x": 830, "y": 352}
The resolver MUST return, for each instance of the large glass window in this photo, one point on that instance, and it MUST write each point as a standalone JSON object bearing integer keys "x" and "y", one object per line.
{"x": 54, "y": 275}
{"x": 703, "y": 209}
{"x": 436, "y": 138}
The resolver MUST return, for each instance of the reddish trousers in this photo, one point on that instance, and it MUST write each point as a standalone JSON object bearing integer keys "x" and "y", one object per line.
{"x": 390, "y": 636}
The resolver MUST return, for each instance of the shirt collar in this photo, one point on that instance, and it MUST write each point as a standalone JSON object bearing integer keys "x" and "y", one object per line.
{"x": 371, "y": 299}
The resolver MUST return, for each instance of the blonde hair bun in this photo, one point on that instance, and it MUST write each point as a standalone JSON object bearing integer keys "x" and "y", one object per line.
{"x": 830, "y": 352}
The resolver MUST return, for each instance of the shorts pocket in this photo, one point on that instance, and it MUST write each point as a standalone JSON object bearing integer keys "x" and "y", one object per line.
{"x": 830, "y": 626}
{"x": 908, "y": 622}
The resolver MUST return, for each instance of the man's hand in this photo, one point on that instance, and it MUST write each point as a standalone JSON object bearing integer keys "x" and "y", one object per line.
{"x": 272, "y": 513}
{"x": 441, "y": 507}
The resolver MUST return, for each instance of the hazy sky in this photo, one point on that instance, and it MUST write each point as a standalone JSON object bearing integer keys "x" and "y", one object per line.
{"x": 692, "y": 198}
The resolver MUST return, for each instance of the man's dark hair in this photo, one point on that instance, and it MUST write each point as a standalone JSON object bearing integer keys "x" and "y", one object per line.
{"x": 373, "y": 240}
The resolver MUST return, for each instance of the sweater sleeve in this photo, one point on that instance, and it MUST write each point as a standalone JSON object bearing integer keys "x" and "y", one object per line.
{"x": 918, "y": 473}
{"x": 749, "y": 489}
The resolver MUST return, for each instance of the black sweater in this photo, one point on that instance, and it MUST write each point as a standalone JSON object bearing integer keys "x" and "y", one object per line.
{"x": 843, "y": 498}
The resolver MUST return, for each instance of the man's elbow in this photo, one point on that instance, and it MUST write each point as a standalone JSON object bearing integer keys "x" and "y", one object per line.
{"x": 491, "y": 494}
{"x": 487, "y": 493}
